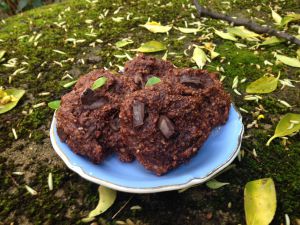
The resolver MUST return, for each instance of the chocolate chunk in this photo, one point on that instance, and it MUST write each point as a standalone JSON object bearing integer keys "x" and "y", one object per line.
{"x": 96, "y": 104}
{"x": 138, "y": 113}
{"x": 185, "y": 79}
{"x": 138, "y": 79}
{"x": 115, "y": 124}
{"x": 166, "y": 126}
{"x": 88, "y": 97}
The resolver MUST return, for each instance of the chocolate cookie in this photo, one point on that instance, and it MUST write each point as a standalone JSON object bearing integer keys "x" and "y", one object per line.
{"x": 88, "y": 120}
{"x": 142, "y": 67}
{"x": 195, "y": 81}
{"x": 163, "y": 125}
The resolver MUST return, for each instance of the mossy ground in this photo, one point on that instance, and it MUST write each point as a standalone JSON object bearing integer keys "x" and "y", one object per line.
{"x": 72, "y": 196}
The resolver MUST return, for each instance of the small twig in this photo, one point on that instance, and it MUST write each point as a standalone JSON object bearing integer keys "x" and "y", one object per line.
{"x": 13, "y": 179}
{"x": 123, "y": 206}
{"x": 12, "y": 6}
{"x": 245, "y": 22}
{"x": 255, "y": 158}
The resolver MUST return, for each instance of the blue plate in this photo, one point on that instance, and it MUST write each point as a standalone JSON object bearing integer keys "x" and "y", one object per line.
{"x": 218, "y": 152}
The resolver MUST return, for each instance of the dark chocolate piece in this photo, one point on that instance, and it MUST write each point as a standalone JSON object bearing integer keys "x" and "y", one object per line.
{"x": 115, "y": 124}
{"x": 138, "y": 109}
{"x": 97, "y": 103}
{"x": 166, "y": 126}
{"x": 186, "y": 79}
{"x": 88, "y": 97}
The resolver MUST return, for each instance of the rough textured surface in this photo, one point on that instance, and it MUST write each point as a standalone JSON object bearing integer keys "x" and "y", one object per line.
{"x": 177, "y": 119}
{"x": 162, "y": 126}
{"x": 142, "y": 68}
{"x": 73, "y": 197}
{"x": 88, "y": 120}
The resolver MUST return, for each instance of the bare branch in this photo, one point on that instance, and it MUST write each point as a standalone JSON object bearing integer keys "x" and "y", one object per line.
{"x": 204, "y": 12}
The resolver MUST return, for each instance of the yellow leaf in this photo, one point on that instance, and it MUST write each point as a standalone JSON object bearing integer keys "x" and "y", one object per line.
{"x": 165, "y": 56}
{"x": 107, "y": 198}
{"x": 277, "y": 18}
{"x": 288, "y": 60}
{"x": 272, "y": 41}
{"x": 298, "y": 53}
{"x": 2, "y": 53}
{"x": 289, "y": 18}
{"x": 123, "y": 43}
{"x": 241, "y": 32}
{"x": 265, "y": 84}
{"x": 15, "y": 95}
{"x": 152, "y": 46}
{"x": 188, "y": 30}
{"x": 156, "y": 27}
{"x": 214, "y": 54}
{"x": 224, "y": 35}
{"x": 260, "y": 201}
{"x": 199, "y": 57}
{"x": 288, "y": 124}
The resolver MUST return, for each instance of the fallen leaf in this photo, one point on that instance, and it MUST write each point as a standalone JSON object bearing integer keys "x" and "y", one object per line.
{"x": 153, "y": 80}
{"x": 240, "y": 45}
{"x": 165, "y": 56}
{"x": 50, "y": 181}
{"x": 265, "y": 84}
{"x": 209, "y": 46}
{"x": 117, "y": 19}
{"x": 287, "y": 219}
{"x": 17, "y": 94}
{"x": 135, "y": 207}
{"x": 288, "y": 60}
{"x": 31, "y": 190}
{"x": 214, "y": 54}
{"x": 272, "y": 41}
{"x": 99, "y": 83}
{"x": 224, "y": 35}
{"x": 152, "y": 46}
{"x": 242, "y": 32}
{"x": 289, "y": 18}
{"x": 277, "y": 18}
{"x": 285, "y": 103}
{"x": 107, "y": 198}
{"x": 87, "y": 219}
{"x": 289, "y": 124}
{"x": 69, "y": 84}
{"x": 2, "y": 53}
{"x": 214, "y": 184}
{"x": 54, "y": 104}
{"x": 123, "y": 43}
{"x": 260, "y": 201}
{"x": 156, "y": 27}
{"x": 188, "y": 30}
{"x": 199, "y": 57}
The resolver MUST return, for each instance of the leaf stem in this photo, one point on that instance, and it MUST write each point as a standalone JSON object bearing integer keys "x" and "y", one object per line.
{"x": 271, "y": 139}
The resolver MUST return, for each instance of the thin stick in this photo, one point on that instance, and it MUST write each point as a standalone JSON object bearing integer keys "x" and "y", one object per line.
{"x": 245, "y": 22}
{"x": 13, "y": 179}
{"x": 126, "y": 203}
{"x": 12, "y": 6}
